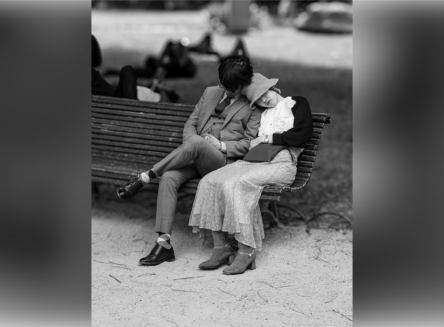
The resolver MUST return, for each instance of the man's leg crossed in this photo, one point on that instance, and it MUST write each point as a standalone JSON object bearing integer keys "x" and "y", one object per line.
{"x": 193, "y": 149}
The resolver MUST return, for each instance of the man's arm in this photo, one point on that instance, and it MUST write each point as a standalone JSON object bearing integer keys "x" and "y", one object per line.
{"x": 190, "y": 127}
{"x": 240, "y": 148}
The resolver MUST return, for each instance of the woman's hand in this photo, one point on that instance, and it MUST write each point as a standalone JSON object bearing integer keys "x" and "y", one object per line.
{"x": 257, "y": 141}
{"x": 213, "y": 141}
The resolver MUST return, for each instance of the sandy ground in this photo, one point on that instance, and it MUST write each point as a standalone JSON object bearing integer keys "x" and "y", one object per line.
{"x": 302, "y": 279}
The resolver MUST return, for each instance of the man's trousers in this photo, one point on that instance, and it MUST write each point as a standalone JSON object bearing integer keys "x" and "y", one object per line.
{"x": 194, "y": 158}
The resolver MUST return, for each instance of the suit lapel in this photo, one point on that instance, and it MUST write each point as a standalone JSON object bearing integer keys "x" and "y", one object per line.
{"x": 238, "y": 105}
{"x": 210, "y": 106}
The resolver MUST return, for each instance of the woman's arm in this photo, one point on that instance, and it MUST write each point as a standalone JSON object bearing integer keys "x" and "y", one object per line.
{"x": 302, "y": 130}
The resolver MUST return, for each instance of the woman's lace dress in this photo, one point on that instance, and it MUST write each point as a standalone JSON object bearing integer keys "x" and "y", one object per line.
{"x": 228, "y": 199}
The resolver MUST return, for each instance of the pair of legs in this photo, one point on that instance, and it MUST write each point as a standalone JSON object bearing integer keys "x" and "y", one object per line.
{"x": 228, "y": 201}
{"x": 127, "y": 86}
{"x": 195, "y": 157}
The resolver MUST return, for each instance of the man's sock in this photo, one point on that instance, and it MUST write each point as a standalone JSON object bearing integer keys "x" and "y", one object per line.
{"x": 164, "y": 240}
{"x": 146, "y": 177}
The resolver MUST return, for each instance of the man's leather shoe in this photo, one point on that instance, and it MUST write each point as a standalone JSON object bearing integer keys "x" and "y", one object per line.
{"x": 158, "y": 255}
{"x": 130, "y": 189}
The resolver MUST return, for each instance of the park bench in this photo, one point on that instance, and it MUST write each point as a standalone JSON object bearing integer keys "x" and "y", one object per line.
{"x": 129, "y": 136}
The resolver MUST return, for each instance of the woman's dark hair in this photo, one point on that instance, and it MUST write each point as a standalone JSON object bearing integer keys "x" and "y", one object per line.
{"x": 234, "y": 72}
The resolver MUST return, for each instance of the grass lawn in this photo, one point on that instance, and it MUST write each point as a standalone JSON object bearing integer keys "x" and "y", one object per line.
{"x": 301, "y": 61}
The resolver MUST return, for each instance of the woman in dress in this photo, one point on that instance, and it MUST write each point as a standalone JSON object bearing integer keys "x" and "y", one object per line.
{"x": 227, "y": 200}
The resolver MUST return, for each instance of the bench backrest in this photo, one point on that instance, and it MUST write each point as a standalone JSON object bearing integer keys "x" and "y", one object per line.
{"x": 136, "y": 131}
{"x": 307, "y": 158}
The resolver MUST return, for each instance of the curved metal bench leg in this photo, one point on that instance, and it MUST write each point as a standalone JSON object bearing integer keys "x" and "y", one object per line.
{"x": 274, "y": 208}
{"x": 95, "y": 190}
{"x": 269, "y": 210}
{"x": 292, "y": 208}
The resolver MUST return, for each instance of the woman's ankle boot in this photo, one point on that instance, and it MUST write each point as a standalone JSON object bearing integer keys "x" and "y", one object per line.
{"x": 245, "y": 259}
{"x": 219, "y": 257}
{"x": 221, "y": 252}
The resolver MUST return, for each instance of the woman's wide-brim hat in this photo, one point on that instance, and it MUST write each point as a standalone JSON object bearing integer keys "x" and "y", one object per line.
{"x": 259, "y": 85}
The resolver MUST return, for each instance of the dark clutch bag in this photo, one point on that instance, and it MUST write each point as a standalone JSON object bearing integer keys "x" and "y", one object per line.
{"x": 263, "y": 153}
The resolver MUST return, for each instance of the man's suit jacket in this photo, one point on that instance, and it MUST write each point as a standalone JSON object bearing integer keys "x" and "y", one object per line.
{"x": 240, "y": 126}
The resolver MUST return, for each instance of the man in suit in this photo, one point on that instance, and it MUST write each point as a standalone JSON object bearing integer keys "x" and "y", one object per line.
{"x": 217, "y": 133}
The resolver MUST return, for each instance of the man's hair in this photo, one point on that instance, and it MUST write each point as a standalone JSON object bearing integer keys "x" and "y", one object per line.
{"x": 234, "y": 72}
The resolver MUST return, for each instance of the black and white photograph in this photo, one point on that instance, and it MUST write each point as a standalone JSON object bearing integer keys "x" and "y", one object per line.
{"x": 224, "y": 163}
{"x": 221, "y": 163}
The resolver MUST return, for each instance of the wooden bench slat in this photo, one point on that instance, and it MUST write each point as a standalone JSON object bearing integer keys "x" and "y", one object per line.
{"x": 301, "y": 178}
{"x": 305, "y": 169}
{"x": 313, "y": 147}
{"x": 130, "y": 112}
{"x": 300, "y": 174}
{"x": 136, "y": 139}
{"x": 318, "y": 125}
{"x": 106, "y": 170}
{"x": 305, "y": 164}
{"x": 133, "y": 158}
{"x": 108, "y": 180}
{"x": 139, "y": 127}
{"x": 117, "y": 166}
{"x": 309, "y": 153}
{"x": 271, "y": 189}
{"x": 316, "y": 136}
{"x": 141, "y": 104}
{"x": 104, "y": 154}
{"x": 298, "y": 183}
{"x": 129, "y": 153}
{"x": 137, "y": 158}
{"x": 303, "y": 157}
{"x": 147, "y": 111}
{"x": 321, "y": 117}
{"x": 138, "y": 131}
{"x": 135, "y": 149}
{"x": 141, "y": 120}
{"x": 150, "y": 116}
{"x": 313, "y": 142}
{"x": 138, "y": 103}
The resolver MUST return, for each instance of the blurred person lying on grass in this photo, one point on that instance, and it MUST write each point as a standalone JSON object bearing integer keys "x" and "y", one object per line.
{"x": 126, "y": 87}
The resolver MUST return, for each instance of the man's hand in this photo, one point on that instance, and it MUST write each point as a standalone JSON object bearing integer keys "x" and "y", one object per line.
{"x": 213, "y": 141}
{"x": 257, "y": 141}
